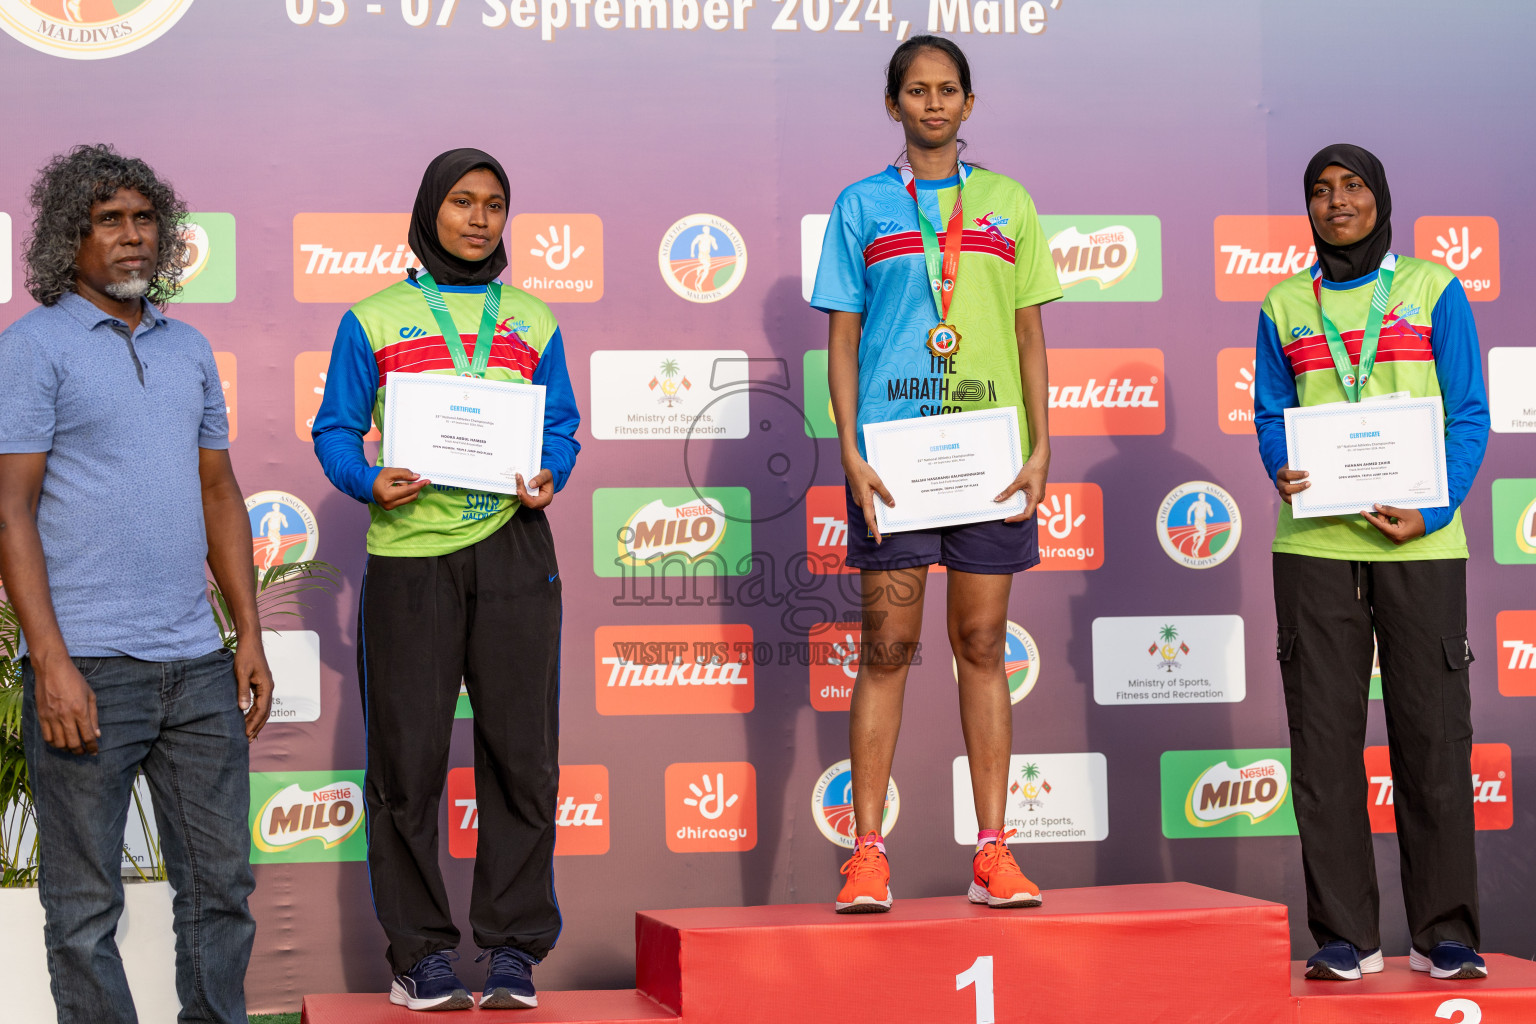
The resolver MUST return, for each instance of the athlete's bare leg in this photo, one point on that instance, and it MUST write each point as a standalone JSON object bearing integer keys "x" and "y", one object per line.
{"x": 977, "y": 617}
{"x": 893, "y": 621}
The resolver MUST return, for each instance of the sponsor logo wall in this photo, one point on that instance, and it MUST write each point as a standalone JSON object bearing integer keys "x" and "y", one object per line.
{"x": 717, "y": 615}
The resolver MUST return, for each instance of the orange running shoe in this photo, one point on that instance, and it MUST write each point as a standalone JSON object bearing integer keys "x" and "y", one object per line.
{"x": 868, "y": 889}
{"x": 998, "y": 882}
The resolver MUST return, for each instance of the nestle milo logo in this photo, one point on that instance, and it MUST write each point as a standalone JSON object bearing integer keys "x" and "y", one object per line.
{"x": 307, "y": 816}
{"x": 1208, "y": 793}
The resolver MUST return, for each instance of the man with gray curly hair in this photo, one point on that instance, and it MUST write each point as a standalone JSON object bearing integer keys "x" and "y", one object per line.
{"x": 104, "y": 398}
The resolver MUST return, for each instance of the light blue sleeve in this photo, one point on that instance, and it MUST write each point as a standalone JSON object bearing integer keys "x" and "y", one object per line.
{"x": 214, "y": 432}
{"x": 29, "y": 387}
{"x": 840, "y": 275}
{"x": 1459, "y": 367}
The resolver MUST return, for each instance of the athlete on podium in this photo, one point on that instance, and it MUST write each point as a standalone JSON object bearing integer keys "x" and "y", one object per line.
{"x": 459, "y": 585}
{"x": 904, "y": 308}
{"x": 1365, "y": 324}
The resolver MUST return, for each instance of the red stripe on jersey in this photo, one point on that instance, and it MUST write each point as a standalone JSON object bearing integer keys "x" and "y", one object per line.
{"x": 1401, "y": 342}
{"x": 418, "y": 355}
{"x": 907, "y": 243}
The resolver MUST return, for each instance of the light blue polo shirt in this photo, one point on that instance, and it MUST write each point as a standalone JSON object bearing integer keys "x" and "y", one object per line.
{"x": 121, "y": 509}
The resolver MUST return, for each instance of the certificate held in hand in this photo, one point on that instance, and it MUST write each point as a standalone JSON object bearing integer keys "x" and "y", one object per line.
{"x": 1361, "y": 454}
{"x": 946, "y": 470}
{"x": 464, "y": 431}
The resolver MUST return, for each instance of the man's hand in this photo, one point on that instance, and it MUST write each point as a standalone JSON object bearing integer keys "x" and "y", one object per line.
{"x": 1290, "y": 481}
{"x": 1397, "y": 524}
{"x": 66, "y": 708}
{"x": 865, "y": 484}
{"x": 1031, "y": 480}
{"x": 395, "y": 487}
{"x": 254, "y": 681}
{"x": 544, "y": 482}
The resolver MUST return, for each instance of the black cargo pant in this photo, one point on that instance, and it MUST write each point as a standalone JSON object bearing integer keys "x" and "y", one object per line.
{"x": 489, "y": 614}
{"x": 1326, "y": 609}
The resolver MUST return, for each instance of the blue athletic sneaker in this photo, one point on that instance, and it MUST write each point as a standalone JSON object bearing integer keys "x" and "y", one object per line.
{"x": 509, "y": 982}
{"x": 1340, "y": 961}
{"x": 1449, "y": 960}
{"x": 431, "y": 985}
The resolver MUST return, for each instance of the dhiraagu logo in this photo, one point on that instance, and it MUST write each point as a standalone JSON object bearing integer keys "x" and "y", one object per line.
{"x": 1210, "y": 793}
{"x": 671, "y": 531}
{"x": 1107, "y": 259}
{"x": 819, "y": 421}
{"x": 1514, "y": 522}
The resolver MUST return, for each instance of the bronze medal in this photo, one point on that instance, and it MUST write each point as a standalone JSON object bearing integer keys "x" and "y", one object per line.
{"x": 943, "y": 340}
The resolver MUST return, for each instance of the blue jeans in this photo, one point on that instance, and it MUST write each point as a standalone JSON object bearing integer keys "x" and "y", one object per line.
{"x": 179, "y": 720}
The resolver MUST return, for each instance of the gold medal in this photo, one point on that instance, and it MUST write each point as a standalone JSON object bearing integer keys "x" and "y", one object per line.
{"x": 943, "y": 340}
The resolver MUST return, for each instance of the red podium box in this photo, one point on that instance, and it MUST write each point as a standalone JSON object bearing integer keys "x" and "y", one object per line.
{"x": 596, "y": 1007}
{"x": 1400, "y": 996}
{"x": 1175, "y": 953}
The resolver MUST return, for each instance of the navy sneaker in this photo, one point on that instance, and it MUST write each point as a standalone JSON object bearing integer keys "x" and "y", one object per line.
{"x": 1340, "y": 961}
{"x": 509, "y": 982}
{"x": 431, "y": 985}
{"x": 1449, "y": 960}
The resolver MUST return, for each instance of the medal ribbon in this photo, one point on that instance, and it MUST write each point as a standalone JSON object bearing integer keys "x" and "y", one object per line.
{"x": 942, "y": 270}
{"x": 483, "y": 337}
{"x": 1373, "y": 323}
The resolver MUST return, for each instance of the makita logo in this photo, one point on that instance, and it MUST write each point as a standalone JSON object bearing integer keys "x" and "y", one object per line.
{"x": 1251, "y": 261}
{"x": 1255, "y": 253}
{"x": 1106, "y": 391}
{"x": 1521, "y": 655}
{"x": 1492, "y": 787}
{"x": 325, "y": 260}
{"x": 1516, "y": 633}
{"x": 692, "y": 671}
{"x": 581, "y": 824}
{"x": 704, "y": 669}
{"x": 1114, "y": 394}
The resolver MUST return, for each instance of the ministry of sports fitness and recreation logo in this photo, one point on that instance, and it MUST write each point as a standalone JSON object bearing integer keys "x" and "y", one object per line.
{"x": 832, "y": 805}
{"x": 283, "y": 529}
{"x": 1106, "y": 259}
{"x": 307, "y": 816}
{"x": 1227, "y": 793}
{"x": 89, "y": 29}
{"x": 1199, "y": 525}
{"x": 1021, "y": 662}
{"x": 702, "y": 258}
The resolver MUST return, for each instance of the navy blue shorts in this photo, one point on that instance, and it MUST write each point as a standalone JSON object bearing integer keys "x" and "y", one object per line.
{"x": 996, "y": 548}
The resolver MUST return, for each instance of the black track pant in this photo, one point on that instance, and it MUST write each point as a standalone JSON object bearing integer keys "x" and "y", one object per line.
{"x": 1419, "y": 611}
{"x": 489, "y": 614}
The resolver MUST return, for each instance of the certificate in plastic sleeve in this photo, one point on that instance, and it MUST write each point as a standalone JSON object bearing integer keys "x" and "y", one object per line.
{"x": 464, "y": 431}
{"x": 945, "y": 470}
{"x": 1360, "y": 454}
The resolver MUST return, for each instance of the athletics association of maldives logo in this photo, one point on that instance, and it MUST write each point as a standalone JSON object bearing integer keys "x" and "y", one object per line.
{"x": 1199, "y": 525}
{"x": 1021, "y": 662}
{"x": 832, "y": 805}
{"x": 283, "y": 529}
{"x": 702, "y": 258}
{"x": 89, "y": 29}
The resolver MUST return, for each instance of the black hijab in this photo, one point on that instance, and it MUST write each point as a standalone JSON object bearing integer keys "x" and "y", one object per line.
{"x": 1356, "y": 260}
{"x": 445, "y": 267}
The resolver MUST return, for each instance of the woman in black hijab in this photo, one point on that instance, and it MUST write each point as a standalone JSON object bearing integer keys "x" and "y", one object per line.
{"x": 461, "y": 583}
{"x": 1367, "y": 324}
